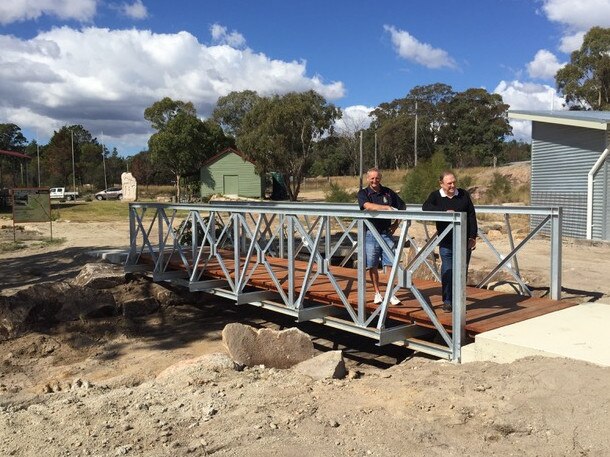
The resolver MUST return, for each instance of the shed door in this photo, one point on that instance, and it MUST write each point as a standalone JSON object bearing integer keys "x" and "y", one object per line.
{"x": 230, "y": 185}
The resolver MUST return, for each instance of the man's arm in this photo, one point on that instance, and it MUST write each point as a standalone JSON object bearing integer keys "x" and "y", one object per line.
{"x": 398, "y": 202}
{"x": 376, "y": 207}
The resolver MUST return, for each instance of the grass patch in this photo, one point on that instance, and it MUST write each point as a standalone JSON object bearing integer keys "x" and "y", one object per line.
{"x": 98, "y": 211}
{"x": 11, "y": 246}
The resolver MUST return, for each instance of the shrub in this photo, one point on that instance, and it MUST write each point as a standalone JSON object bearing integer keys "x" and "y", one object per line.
{"x": 423, "y": 179}
{"x": 465, "y": 182}
{"x": 499, "y": 189}
{"x": 337, "y": 194}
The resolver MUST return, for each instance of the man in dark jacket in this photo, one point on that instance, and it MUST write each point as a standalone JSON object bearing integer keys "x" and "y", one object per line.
{"x": 450, "y": 198}
{"x": 376, "y": 197}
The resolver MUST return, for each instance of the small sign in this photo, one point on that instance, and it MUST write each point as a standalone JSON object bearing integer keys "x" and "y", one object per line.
{"x": 31, "y": 205}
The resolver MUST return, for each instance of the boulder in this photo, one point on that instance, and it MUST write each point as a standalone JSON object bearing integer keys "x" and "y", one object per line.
{"x": 100, "y": 276}
{"x": 329, "y": 365}
{"x": 272, "y": 348}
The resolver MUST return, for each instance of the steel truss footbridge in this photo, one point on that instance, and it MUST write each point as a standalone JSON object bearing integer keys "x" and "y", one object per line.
{"x": 306, "y": 260}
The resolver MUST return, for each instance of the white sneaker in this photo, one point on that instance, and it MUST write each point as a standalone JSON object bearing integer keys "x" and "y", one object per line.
{"x": 394, "y": 300}
{"x": 378, "y": 298}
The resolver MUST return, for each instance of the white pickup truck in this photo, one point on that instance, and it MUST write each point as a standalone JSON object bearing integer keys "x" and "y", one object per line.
{"x": 60, "y": 193}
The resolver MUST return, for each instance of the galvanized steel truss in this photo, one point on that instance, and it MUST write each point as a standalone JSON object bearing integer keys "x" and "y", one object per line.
{"x": 241, "y": 237}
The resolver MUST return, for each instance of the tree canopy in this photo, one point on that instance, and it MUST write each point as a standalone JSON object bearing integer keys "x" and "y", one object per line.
{"x": 585, "y": 81}
{"x": 468, "y": 127}
{"x": 232, "y": 108}
{"x": 280, "y": 134}
{"x": 182, "y": 141}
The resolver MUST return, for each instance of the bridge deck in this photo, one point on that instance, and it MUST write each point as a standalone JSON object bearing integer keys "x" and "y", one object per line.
{"x": 485, "y": 309}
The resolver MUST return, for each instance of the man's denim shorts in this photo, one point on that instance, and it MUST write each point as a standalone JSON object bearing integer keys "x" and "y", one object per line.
{"x": 374, "y": 251}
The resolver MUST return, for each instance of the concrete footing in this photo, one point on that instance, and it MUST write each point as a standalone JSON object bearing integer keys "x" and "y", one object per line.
{"x": 579, "y": 332}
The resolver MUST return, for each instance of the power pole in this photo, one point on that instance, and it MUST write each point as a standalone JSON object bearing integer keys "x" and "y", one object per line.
{"x": 73, "y": 167}
{"x": 415, "y": 148}
{"x": 104, "y": 162}
{"x": 38, "y": 160}
{"x": 375, "y": 149}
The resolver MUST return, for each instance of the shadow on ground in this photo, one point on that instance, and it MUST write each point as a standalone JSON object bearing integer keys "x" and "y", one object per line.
{"x": 55, "y": 266}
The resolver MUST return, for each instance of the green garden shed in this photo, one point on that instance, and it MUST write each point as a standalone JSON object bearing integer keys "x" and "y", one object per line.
{"x": 230, "y": 173}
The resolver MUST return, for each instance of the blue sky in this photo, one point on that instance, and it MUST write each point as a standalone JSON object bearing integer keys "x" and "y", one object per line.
{"x": 101, "y": 63}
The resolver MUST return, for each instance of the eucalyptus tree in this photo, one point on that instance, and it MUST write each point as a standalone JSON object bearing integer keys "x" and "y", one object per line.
{"x": 396, "y": 127}
{"x": 585, "y": 81}
{"x": 474, "y": 127}
{"x": 232, "y": 108}
{"x": 280, "y": 134}
{"x": 182, "y": 141}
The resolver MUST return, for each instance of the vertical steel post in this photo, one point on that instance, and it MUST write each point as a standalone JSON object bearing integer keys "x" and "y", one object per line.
{"x": 290, "y": 240}
{"x": 361, "y": 272}
{"x": 160, "y": 259}
{"x": 280, "y": 235}
{"x": 556, "y": 234}
{"x": 194, "y": 238}
{"x": 132, "y": 236}
{"x": 327, "y": 245}
{"x": 236, "y": 249}
{"x": 459, "y": 284}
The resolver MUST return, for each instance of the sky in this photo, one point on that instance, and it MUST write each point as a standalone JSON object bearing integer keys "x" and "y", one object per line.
{"x": 102, "y": 63}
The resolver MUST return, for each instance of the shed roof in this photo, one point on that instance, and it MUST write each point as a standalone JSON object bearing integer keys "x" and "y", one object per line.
{"x": 598, "y": 120}
{"x": 15, "y": 154}
{"x": 222, "y": 153}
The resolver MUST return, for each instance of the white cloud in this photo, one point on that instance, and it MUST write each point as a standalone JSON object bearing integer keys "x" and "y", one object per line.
{"x": 528, "y": 96}
{"x": 408, "y": 47}
{"x": 572, "y": 42}
{"x": 544, "y": 66}
{"x": 135, "y": 10}
{"x": 578, "y": 15}
{"x": 220, "y": 35}
{"x": 24, "y": 10}
{"x": 52, "y": 79}
{"x": 354, "y": 118}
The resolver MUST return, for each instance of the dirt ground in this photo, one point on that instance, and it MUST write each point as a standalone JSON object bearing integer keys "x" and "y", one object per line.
{"x": 93, "y": 387}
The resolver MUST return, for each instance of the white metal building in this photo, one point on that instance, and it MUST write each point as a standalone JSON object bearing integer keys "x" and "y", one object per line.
{"x": 571, "y": 168}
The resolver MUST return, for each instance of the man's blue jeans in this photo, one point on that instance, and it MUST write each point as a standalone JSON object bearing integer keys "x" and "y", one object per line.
{"x": 447, "y": 271}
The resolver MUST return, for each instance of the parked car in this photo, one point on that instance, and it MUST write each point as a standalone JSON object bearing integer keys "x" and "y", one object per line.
{"x": 112, "y": 193}
{"x": 61, "y": 193}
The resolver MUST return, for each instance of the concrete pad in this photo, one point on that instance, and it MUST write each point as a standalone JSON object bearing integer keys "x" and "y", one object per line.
{"x": 579, "y": 332}
{"x": 117, "y": 256}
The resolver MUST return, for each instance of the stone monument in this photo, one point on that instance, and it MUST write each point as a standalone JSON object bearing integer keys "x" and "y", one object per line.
{"x": 130, "y": 187}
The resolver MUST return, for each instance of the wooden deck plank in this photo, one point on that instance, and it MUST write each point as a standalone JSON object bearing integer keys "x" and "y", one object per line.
{"x": 485, "y": 309}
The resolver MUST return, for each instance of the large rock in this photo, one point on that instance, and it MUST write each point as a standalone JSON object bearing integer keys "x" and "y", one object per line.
{"x": 329, "y": 365}
{"x": 278, "y": 349}
{"x": 100, "y": 276}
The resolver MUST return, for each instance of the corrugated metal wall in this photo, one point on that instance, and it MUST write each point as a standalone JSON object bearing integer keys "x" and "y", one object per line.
{"x": 561, "y": 159}
{"x": 231, "y": 164}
